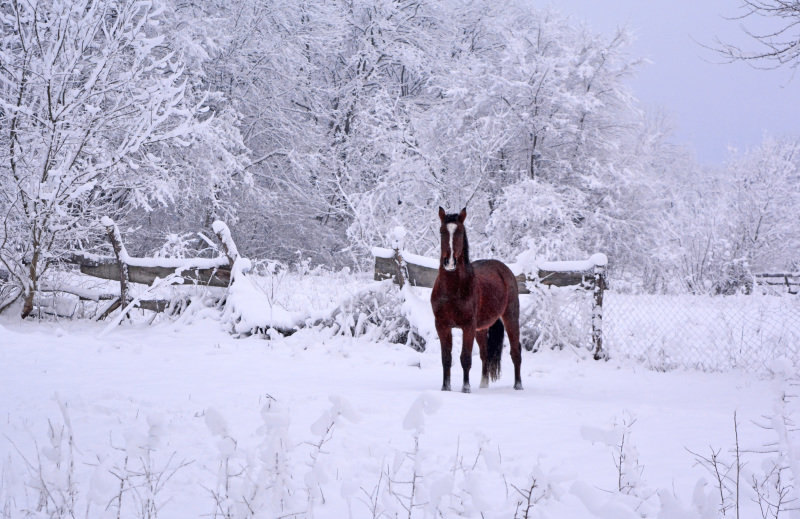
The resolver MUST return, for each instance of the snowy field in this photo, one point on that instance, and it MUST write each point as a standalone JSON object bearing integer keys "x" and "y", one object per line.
{"x": 319, "y": 130}
{"x": 183, "y": 420}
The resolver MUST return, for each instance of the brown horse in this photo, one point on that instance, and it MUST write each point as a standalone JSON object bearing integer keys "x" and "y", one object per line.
{"x": 479, "y": 297}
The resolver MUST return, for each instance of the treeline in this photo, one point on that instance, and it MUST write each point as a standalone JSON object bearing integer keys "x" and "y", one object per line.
{"x": 316, "y": 127}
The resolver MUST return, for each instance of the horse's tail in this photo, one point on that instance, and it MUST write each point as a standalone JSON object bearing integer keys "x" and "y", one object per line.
{"x": 494, "y": 347}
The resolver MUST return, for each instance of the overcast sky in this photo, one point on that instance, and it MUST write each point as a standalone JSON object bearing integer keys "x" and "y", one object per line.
{"x": 712, "y": 106}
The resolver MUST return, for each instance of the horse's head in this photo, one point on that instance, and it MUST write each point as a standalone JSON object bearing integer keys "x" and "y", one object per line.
{"x": 455, "y": 249}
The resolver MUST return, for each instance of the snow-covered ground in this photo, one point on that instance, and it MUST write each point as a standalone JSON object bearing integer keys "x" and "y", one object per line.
{"x": 183, "y": 420}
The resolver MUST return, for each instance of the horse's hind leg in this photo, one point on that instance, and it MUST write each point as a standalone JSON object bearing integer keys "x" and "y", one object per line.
{"x": 482, "y": 337}
{"x": 511, "y": 322}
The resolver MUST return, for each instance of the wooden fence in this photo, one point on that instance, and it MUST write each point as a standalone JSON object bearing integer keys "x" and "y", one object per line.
{"x": 590, "y": 274}
{"x": 389, "y": 264}
{"x": 790, "y": 282}
{"x": 215, "y": 272}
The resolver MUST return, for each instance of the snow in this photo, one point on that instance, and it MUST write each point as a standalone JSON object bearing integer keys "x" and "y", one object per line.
{"x": 596, "y": 260}
{"x": 224, "y": 233}
{"x": 424, "y": 261}
{"x": 333, "y": 426}
{"x": 179, "y": 264}
{"x": 248, "y": 308}
{"x": 427, "y": 403}
{"x": 417, "y": 309}
{"x": 105, "y": 221}
{"x": 530, "y": 263}
{"x": 397, "y": 237}
{"x": 80, "y": 291}
{"x": 381, "y": 252}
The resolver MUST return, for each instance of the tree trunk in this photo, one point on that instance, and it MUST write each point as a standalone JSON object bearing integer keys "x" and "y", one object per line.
{"x": 30, "y": 292}
{"x": 121, "y": 254}
{"x": 27, "y": 306}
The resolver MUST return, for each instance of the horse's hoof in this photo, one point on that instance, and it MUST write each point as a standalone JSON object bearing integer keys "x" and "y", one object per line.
{"x": 518, "y": 386}
{"x": 445, "y": 388}
{"x": 466, "y": 389}
{"x": 484, "y": 383}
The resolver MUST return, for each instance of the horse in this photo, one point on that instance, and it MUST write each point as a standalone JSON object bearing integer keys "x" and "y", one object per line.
{"x": 481, "y": 298}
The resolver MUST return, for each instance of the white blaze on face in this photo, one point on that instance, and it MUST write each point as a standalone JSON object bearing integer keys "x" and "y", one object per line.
{"x": 450, "y": 263}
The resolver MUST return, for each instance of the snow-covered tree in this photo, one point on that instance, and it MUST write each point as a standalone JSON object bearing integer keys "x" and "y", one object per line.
{"x": 764, "y": 193}
{"x": 724, "y": 225}
{"x": 512, "y": 94}
{"x": 95, "y": 122}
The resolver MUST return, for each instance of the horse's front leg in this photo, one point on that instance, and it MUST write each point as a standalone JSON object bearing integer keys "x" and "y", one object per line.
{"x": 466, "y": 355}
{"x": 446, "y": 341}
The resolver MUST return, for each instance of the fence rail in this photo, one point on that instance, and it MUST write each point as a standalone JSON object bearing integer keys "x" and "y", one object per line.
{"x": 769, "y": 280}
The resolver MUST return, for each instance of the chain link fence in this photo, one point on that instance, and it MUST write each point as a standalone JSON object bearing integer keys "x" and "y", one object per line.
{"x": 665, "y": 332}
{"x": 710, "y": 333}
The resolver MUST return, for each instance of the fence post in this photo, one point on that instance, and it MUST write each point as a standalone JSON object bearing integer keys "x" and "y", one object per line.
{"x": 228, "y": 245}
{"x": 397, "y": 237}
{"x": 114, "y": 236}
{"x": 402, "y": 270}
{"x": 597, "y": 312}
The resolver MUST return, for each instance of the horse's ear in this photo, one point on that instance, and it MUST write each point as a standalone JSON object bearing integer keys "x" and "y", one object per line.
{"x": 462, "y": 215}
{"x": 442, "y": 214}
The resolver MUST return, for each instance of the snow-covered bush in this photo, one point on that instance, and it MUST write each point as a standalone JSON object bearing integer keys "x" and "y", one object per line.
{"x": 278, "y": 299}
{"x": 252, "y": 480}
{"x": 556, "y": 317}
{"x": 625, "y": 455}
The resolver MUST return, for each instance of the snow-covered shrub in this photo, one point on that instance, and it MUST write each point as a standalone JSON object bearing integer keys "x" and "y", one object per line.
{"x": 764, "y": 480}
{"x": 380, "y": 314}
{"x": 624, "y": 453}
{"x": 280, "y": 299}
{"x": 52, "y": 470}
{"x": 132, "y": 479}
{"x": 556, "y": 317}
{"x": 253, "y": 480}
{"x": 248, "y": 308}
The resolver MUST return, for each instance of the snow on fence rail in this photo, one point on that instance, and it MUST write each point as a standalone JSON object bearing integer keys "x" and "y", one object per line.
{"x": 590, "y": 274}
{"x": 215, "y": 272}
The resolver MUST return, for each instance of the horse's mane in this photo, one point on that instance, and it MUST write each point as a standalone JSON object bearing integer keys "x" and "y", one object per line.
{"x": 453, "y": 218}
